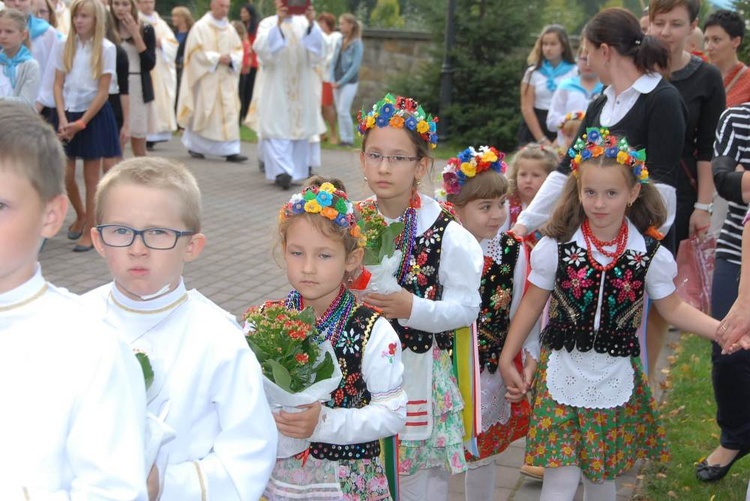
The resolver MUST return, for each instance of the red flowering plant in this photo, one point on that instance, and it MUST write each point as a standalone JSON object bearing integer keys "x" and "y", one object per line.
{"x": 284, "y": 342}
{"x": 299, "y": 366}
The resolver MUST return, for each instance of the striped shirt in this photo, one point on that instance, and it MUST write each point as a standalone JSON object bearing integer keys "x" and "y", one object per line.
{"x": 733, "y": 140}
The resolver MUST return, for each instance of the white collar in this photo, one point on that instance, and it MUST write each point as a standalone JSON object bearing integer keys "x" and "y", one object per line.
{"x": 25, "y": 293}
{"x": 643, "y": 85}
{"x": 160, "y": 304}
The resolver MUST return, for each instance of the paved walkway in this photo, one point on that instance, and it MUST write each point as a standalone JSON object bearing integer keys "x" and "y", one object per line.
{"x": 237, "y": 269}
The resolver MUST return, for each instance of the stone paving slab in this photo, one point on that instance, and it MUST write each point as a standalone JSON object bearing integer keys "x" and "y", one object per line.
{"x": 237, "y": 268}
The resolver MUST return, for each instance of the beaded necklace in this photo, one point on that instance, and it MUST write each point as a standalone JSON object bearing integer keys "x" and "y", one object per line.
{"x": 620, "y": 241}
{"x": 332, "y": 321}
{"x": 405, "y": 242}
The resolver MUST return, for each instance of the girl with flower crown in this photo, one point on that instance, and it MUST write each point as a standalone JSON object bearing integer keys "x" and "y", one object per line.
{"x": 593, "y": 413}
{"x": 439, "y": 274}
{"x": 322, "y": 246}
{"x": 475, "y": 185}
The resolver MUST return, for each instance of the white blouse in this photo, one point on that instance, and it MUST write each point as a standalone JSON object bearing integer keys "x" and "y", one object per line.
{"x": 80, "y": 87}
{"x": 385, "y": 415}
{"x": 590, "y": 379}
{"x": 225, "y": 443}
{"x": 73, "y": 422}
{"x": 542, "y": 94}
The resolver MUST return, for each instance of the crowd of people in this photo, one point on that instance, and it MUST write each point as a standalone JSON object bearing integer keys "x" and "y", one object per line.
{"x": 563, "y": 262}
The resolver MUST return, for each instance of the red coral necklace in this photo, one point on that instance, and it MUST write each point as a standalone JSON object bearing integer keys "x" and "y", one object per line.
{"x": 620, "y": 242}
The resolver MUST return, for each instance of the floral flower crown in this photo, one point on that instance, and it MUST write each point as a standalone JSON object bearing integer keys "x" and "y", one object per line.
{"x": 399, "y": 112}
{"x": 327, "y": 201}
{"x": 597, "y": 141}
{"x": 573, "y": 115}
{"x": 468, "y": 164}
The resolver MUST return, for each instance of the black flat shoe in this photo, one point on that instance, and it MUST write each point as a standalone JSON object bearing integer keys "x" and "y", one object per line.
{"x": 195, "y": 154}
{"x": 83, "y": 248}
{"x": 284, "y": 181}
{"x": 74, "y": 235}
{"x": 711, "y": 473}
{"x": 237, "y": 159}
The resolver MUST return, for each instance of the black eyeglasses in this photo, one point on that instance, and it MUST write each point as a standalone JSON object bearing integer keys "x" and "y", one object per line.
{"x": 117, "y": 235}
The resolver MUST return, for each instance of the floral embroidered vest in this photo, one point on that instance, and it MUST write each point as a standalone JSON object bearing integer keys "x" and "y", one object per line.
{"x": 422, "y": 281}
{"x": 496, "y": 289}
{"x": 352, "y": 392}
{"x": 574, "y": 300}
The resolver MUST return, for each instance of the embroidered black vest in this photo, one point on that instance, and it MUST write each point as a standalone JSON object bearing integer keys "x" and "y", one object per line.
{"x": 574, "y": 301}
{"x": 352, "y": 392}
{"x": 496, "y": 289}
{"x": 422, "y": 281}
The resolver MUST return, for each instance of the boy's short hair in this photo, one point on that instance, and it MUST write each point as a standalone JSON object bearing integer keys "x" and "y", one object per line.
{"x": 662, "y": 6}
{"x": 729, "y": 21}
{"x": 29, "y": 146}
{"x": 154, "y": 172}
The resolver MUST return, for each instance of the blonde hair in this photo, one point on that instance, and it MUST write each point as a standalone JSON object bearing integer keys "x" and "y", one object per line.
{"x": 154, "y": 172}
{"x": 647, "y": 210}
{"x": 356, "y": 29}
{"x": 185, "y": 14}
{"x": 30, "y": 148}
{"x": 534, "y": 152}
{"x": 20, "y": 20}
{"x": 97, "y": 41}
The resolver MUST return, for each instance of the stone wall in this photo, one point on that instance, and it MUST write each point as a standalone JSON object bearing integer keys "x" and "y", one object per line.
{"x": 388, "y": 54}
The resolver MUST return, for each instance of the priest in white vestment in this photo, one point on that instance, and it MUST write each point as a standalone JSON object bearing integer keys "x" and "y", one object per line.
{"x": 209, "y": 102}
{"x": 163, "y": 76}
{"x": 286, "y": 114}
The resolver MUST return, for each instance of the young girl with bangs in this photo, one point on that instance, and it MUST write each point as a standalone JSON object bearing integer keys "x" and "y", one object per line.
{"x": 19, "y": 78}
{"x": 343, "y": 459}
{"x": 593, "y": 413}
{"x": 85, "y": 120}
{"x": 439, "y": 274}
{"x": 479, "y": 201}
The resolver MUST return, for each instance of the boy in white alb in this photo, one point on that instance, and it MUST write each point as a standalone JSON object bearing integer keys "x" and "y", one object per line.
{"x": 207, "y": 384}
{"x": 72, "y": 425}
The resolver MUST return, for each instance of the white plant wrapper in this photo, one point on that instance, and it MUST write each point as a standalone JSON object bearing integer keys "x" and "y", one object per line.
{"x": 158, "y": 433}
{"x": 280, "y": 399}
{"x": 383, "y": 279}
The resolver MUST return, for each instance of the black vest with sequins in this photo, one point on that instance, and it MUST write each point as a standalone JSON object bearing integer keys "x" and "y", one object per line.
{"x": 422, "y": 280}
{"x": 352, "y": 392}
{"x": 496, "y": 290}
{"x": 574, "y": 302}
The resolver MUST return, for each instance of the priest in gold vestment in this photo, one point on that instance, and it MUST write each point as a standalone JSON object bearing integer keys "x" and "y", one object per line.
{"x": 209, "y": 102}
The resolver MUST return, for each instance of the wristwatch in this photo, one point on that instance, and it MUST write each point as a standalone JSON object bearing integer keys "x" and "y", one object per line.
{"x": 706, "y": 207}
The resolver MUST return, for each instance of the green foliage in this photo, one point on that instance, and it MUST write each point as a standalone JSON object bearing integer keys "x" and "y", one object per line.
{"x": 488, "y": 62}
{"x": 568, "y": 13}
{"x": 146, "y": 368}
{"x": 386, "y": 14}
{"x": 689, "y": 416}
{"x": 743, "y": 8}
{"x": 380, "y": 236}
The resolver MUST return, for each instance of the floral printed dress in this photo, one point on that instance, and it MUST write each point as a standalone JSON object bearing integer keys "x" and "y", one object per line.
{"x": 592, "y": 406}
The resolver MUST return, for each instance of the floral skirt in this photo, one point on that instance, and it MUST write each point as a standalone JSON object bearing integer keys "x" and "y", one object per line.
{"x": 500, "y": 435}
{"x": 444, "y": 449}
{"x": 355, "y": 480}
{"x": 604, "y": 443}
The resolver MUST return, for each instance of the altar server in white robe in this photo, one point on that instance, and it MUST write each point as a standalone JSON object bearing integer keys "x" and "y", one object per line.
{"x": 163, "y": 76}
{"x": 72, "y": 425}
{"x": 211, "y": 395}
{"x": 287, "y": 113}
{"x": 209, "y": 102}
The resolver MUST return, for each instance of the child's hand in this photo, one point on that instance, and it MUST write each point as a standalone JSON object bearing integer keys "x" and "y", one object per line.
{"x": 153, "y": 484}
{"x": 396, "y": 305}
{"x": 513, "y": 380}
{"x": 124, "y": 134}
{"x": 298, "y": 424}
{"x": 529, "y": 369}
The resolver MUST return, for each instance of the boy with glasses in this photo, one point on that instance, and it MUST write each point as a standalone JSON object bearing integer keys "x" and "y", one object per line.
{"x": 211, "y": 394}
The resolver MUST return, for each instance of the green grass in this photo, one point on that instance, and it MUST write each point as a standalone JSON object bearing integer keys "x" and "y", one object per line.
{"x": 689, "y": 414}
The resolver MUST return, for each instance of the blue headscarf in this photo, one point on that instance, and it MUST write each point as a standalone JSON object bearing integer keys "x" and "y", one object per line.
{"x": 9, "y": 64}
{"x": 552, "y": 73}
